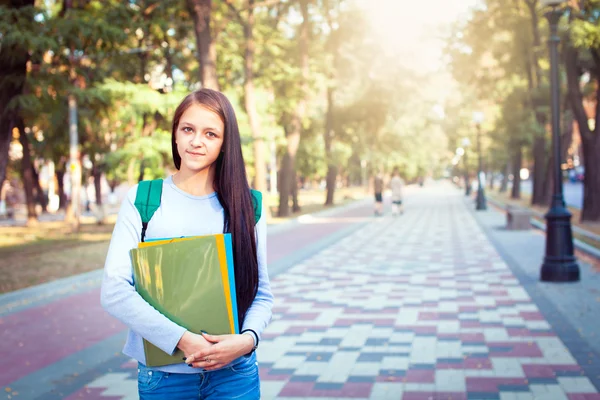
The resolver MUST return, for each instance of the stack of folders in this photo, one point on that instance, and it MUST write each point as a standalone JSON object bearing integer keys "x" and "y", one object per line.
{"x": 191, "y": 281}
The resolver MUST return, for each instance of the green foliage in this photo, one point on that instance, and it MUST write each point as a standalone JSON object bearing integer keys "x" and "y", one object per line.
{"x": 129, "y": 64}
{"x": 493, "y": 57}
{"x": 311, "y": 157}
{"x": 155, "y": 151}
{"x": 585, "y": 26}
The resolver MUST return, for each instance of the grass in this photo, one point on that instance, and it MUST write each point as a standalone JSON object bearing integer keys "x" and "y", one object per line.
{"x": 50, "y": 250}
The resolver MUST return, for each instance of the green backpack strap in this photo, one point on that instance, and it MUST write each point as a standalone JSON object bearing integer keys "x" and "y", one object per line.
{"x": 257, "y": 203}
{"x": 147, "y": 201}
{"x": 149, "y": 193}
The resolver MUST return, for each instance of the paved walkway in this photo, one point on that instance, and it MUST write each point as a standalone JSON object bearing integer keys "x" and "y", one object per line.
{"x": 422, "y": 306}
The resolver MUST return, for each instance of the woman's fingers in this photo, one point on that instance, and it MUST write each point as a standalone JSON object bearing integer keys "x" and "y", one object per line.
{"x": 202, "y": 359}
{"x": 200, "y": 356}
{"x": 212, "y": 338}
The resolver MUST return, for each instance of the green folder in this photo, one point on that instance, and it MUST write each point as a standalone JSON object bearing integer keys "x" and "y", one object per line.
{"x": 184, "y": 280}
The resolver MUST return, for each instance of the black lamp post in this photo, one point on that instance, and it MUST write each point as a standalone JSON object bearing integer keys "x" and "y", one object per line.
{"x": 559, "y": 261}
{"x": 466, "y": 143}
{"x": 480, "y": 201}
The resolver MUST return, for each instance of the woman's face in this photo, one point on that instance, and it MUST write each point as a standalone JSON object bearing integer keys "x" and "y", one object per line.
{"x": 199, "y": 138}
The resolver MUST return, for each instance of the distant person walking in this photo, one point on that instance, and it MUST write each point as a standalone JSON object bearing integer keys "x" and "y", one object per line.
{"x": 397, "y": 186}
{"x": 378, "y": 189}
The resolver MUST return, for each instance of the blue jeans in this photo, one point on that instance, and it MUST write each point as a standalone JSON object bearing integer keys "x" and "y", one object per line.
{"x": 239, "y": 380}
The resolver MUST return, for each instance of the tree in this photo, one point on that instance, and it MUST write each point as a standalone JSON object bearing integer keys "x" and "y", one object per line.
{"x": 293, "y": 124}
{"x": 248, "y": 25}
{"x": 582, "y": 56}
{"x": 497, "y": 55}
{"x": 537, "y": 102}
{"x": 16, "y": 17}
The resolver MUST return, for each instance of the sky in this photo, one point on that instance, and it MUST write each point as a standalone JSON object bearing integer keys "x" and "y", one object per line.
{"x": 415, "y": 30}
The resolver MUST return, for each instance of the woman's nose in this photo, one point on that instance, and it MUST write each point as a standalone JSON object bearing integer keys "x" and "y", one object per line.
{"x": 197, "y": 140}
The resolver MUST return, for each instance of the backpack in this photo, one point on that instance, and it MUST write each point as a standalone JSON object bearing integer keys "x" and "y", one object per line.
{"x": 149, "y": 194}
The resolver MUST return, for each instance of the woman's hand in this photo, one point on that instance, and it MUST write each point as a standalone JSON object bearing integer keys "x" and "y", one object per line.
{"x": 224, "y": 349}
{"x": 192, "y": 342}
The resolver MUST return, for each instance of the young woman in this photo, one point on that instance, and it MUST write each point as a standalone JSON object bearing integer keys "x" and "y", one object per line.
{"x": 209, "y": 194}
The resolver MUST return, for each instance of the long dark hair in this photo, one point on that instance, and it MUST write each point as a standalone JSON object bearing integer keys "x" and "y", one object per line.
{"x": 233, "y": 191}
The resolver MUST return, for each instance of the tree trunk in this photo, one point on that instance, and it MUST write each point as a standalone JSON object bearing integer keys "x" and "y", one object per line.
{"x": 62, "y": 197}
{"x": 149, "y": 124}
{"x": 200, "y": 10}
{"x": 539, "y": 171}
{"x": 6, "y": 124}
{"x": 301, "y": 107}
{"x": 539, "y": 196}
{"x": 517, "y": 162}
{"x": 566, "y": 138}
{"x": 142, "y": 171}
{"x": 284, "y": 186}
{"x": 591, "y": 180}
{"x": 13, "y": 72}
{"x": 260, "y": 168}
{"x": 97, "y": 174}
{"x": 131, "y": 173}
{"x": 491, "y": 178}
{"x": 26, "y": 173}
{"x": 329, "y": 134}
{"x": 505, "y": 172}
{"x": 294, "y": 133}
{"x": 330, "y": 182}
{"x": 546, "y": 195}
{"x": 589, "y": 138}
{"x": 295, "y": 203}
{"x": 40, "y": 197}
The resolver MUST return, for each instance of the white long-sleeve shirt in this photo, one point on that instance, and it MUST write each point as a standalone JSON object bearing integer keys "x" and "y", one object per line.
{"x": 180, "y": 214}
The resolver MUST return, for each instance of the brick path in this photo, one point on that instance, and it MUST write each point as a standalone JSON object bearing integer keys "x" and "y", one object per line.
{"x": 415, "y": 307}
{"x": 418, "y": 307}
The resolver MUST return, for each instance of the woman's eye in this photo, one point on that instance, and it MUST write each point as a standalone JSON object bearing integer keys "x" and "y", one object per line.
{"x": 211, "y": 134}
{"x": 187, "y": 129}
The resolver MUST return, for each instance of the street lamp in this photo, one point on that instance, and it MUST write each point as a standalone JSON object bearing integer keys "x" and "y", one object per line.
{"x": 559, "y": 261}
{"x": 480, "y": 202}
{"x": 465, "y": 144}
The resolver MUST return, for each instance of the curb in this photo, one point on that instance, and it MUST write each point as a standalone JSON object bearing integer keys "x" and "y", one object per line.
{"x": 580, "y": 245}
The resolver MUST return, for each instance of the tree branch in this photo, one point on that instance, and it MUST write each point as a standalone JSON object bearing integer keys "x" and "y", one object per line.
{"x": 217, "y": 29}
{"x": 282, "y": 7}
{"x": 236, "y": 13}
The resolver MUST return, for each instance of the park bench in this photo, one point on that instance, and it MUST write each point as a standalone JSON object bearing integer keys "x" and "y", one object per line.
{"x": 518, "y": 218}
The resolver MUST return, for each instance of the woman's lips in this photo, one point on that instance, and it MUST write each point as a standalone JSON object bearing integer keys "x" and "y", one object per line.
{"x": 195, "y": 154}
